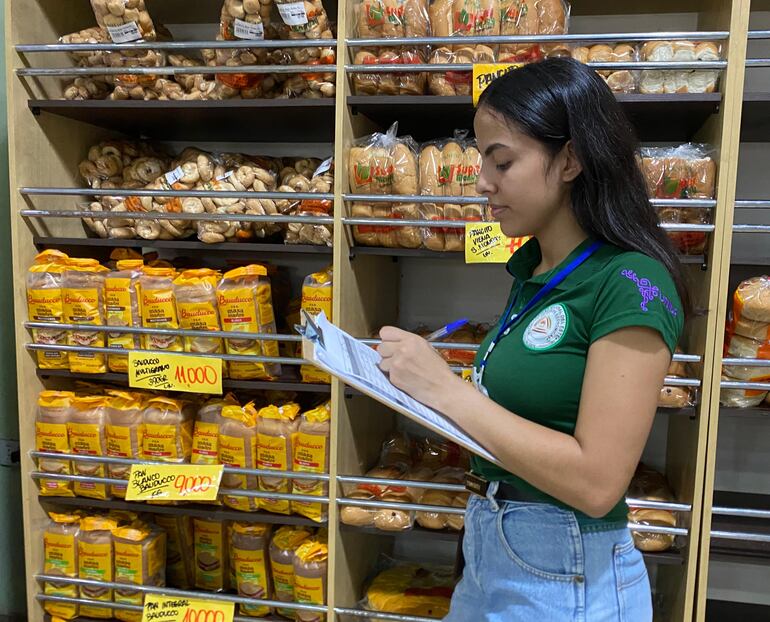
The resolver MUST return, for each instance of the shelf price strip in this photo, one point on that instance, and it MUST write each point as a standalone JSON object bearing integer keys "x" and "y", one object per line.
{"x": 174, "y": 482}
{"x": 173, "y": 372}
{"x": 159, "y": 608}
{"x": 486, "y": 243}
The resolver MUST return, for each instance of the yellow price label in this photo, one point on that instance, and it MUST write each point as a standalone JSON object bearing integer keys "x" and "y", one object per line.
{"x": 486, "y": 243}
{"x": 485, "y": 73}
{"x": 174, "y": 482}
{"x": 159, "y": 608}
{"x": 175, "y": 372}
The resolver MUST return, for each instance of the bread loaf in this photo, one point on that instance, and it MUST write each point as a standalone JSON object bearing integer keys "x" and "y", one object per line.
{"x": 96, "y": 563}
{"x": 210, "y": 544}
{"x": 83, "y": 303}
{"x": 310, "y": 574}
{"x": 238, "y": 449}
{"x": 753, "y": 329}
{"x": 121, "y": 300}
{"x": 250, "y": 544}
{"x": 311, "y": 455}
{"x": 412, "y": 589}
{"x": 60, "y": 553}
{"x": 168, "y": 427}
{"x": 752, "y": 300}
{"x": 195, "y": 294}
{"x": 124, "y": 432}
{"x": 649, "y": 485}
{"x": 158, "y": 308}
{"x": 44, "y": 304}
{"x": 86, "y": 429}
{"x": 54, "y": 409}
{"x": 180, "y": 555}
{"x": 317, "y": 297}
{"x": 437, "y": 520}
{"x": 430, "y": 165}
{"x": 140, "y": 559}
{"x": 276, "y": 433}
{"x": 205, "y": 441}
{"x": 282, "y": 546}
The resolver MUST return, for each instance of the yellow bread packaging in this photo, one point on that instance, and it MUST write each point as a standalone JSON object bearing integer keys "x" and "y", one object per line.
{"x": 96, "y": 562}
{"x": 158, "y": 309}
{"x": 124, "y": 433}
{"x": 86, "y": 428}
{"x": 140, "y": 559}
{"x": 51, "y": 436}
{"x": 317, "y": 297}
{"x": 83, "y": 303}
{"x": 245, "y": 303}
{"x": 276, "y": 432}
{"x": 205, "y": 442}
{"x": 180, "y": 556}
{"x": 60, "y": 550}
{"x": 195, "y": 293}
{"x": 44, "y": 304}
{"x": 168, "y": 428}
{"x": 238, "y": 449}
{"x": 310, "y": 572}
{"x": 311, "y": 455}
{"x": 121, "y": 308}
{"x": 210, "y": 545}
{"x": 412, "y": 589}
{"x": 250, "y": 563}
{"x": 282, "y": 546}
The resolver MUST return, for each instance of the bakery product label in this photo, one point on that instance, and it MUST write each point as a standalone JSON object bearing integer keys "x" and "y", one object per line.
{"x": 247, "y": 30}
{"x": 547, "y": 329}
{"x": 125, "y": 33}
{"x": 293, "y": 13}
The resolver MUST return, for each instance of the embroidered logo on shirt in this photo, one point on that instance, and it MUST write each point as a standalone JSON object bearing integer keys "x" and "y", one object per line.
{"x": 649, "y": 291}
{"x": 547, "y": 329}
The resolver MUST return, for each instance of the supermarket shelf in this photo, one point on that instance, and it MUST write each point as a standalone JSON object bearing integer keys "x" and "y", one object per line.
{"x": 736, "y": 550}
{"x": 656, "y": 117}
{"x": 727, "y": 610}
{"x": 195, "y": 510}
{"x": 312, "y": 119}
{"x": 288, "y": 382}
{"x": 725, "y": 411}
{"x": 755, "y": 119}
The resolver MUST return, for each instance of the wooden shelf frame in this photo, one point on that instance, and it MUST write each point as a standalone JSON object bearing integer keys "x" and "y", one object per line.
{"x": 45, "y": 148}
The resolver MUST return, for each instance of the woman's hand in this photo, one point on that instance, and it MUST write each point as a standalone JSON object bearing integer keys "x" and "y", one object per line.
{"x": 416, "y": 368}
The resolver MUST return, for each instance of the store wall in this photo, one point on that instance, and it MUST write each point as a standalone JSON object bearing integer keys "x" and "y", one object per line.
{"x": 12, "y": 598}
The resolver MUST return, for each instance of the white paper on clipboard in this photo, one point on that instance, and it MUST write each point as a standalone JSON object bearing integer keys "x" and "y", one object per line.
{"x": 355, "y": 363}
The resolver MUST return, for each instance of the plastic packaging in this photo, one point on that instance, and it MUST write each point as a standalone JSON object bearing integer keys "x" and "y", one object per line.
{"x": 311, "y": 455}
{"x": 246, "y": 305}
{"x": 242, "y": 20}
{"x": 679, "y": 81}
{"x": 250, "y": 562}
{"x": 649, "y": 485}
{"x": 310, "y": 577}
{"x": 211, "y": 555}
{"x": 140, "y": 559}
{"x": 83, "y": 303}
{"x": 317, "y": 297}
{"x": 96, "y": 562}
{"x": 124, "y": 433}
{"x": 195, "y": 296}
{"x": 238, "y": 448}
{"x": 168, "y": 428}
{"x": 125, "y": 20}
{"x": 751, "y": 309}
{"x": 302, "y": 20}
{"x": 121, "y": 301}
{"x": 180, "y": 556}
{"x": 86, "y": 428}
{"x": 60, "y": 551}
{"x": 437, "y": 520}
{"x": 531, "y": 17}
{"x": 621, "y": 81}
{"x": 282, "y": 546}
{"x": 54, "y": 409}
{"x": 411, "y": 589}
{"x": 322, "y": 181}
{"x": 158, "y": 309}
{"x": 674, "y": 396}
{"x": 205, "y": 442}
{"x": 276, "y": 434}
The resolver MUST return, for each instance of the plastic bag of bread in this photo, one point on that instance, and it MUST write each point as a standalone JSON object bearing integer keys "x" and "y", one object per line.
{"x": 60, "y": 555}
{"x": 86, "y": 429}
{"x": 51, "y": 435}
{"x": 121, "y": 308}
{"x": 168, "y": 428}
{"x": 317, "y": 297}
{"x": 390, "y": 519}
{"x": 158, "y": 309}
{"x": 740, "y": 398}
{"x": 304, "y": 19}
{"x": 241, "y": 19}
{"x": 750, "y": 314}
{"x": 621, "y": 81}
{"x": 361, "y": 516}
{"x": 737, "y": 346}
{"x": 456, "y": 83}
{"x": 680, "y": 80}
{"x": 531, "y": 17}
{"x": 83, "y": 303}
{"x": 124, "y": 433}
{"x": 284, "y": 542}
{"x": 438, "y": 453}
{"x": 322, "y": 181}
{"x": 438, "y": 520}
{"x": 311, "y": 455}
{"x": 44, "y": 304}
{"x": 649, "y": 485}
{"x": 411, "y": 589}
{"x": 205, "y": 441}
{"x": 140, "y": 559}
{"x": 195, "y": 294}
{"x": 246, "y": 305}
{"x": 211, "y": 555}
{"x": 378, "y": 83}
{"x": 276, "y": 433}
{"x": 310, "y": 576}
{"x": 387, "y": 19}
{"x": 180, "y": 557}
{"x": 250, "y": 563}
{"x": 125, "y": 20}
{"x": 238, "y": 449}
{"x": 96, "y": 563}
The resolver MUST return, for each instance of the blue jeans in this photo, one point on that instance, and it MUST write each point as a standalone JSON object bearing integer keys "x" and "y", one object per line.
{"x": 530, "y": 562}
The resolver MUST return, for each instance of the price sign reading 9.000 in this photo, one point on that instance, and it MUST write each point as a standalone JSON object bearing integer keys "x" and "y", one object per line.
{"x": 174, "y": 482}
{"x": 175, "y": 372}
{"x": 159, "y": 608}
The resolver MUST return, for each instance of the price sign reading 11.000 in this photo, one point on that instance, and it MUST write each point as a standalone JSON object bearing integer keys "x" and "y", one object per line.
{"x": 175, "y": 372}
{"x": 159, "y": 608}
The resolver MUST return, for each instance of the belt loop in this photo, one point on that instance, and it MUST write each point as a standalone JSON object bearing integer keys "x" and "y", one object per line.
{"x": 491, "y": 492}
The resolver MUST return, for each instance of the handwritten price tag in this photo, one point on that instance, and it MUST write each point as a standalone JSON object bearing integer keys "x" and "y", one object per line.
{"x": 174, "y": 482}
{"x": 158, "y": 608}
{"x": 175, "y": 372}
{"x": 485, "y": 73}
{"x": 486, "y": 243}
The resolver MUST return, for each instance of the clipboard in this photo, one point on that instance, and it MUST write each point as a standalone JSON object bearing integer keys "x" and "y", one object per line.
{"x": 355, "y": 363}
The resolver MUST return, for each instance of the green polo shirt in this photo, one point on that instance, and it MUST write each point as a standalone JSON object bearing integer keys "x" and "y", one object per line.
{"x": 536, "y": 371}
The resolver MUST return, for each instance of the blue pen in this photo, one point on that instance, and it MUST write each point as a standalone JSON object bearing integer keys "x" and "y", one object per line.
{"x": 446, "y": 330}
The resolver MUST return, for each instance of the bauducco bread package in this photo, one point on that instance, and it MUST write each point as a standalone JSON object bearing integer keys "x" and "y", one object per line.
{"x": 205, "y": 441}
{"x": 210, "y": 545}
{"x": 168, "y": 429}
{"x": 238, "y": 449}
{"x": 679, "y": 80}
{"x": 311, "y": 455}
{"x": 649, "y": 485}
{"x": 60, "y": 553}
{"x": 83, "y": 303}
{"x": 310, "y": 576}
{"x": 246, "y": 305}
{"x": 96, "y": 562}
{"x": 52, "y": 436}
{"x": 195, "y": 294}
{"x": 158, "y": 308}
{"x": 251, "y": 564}
{"x": 140, "y": 559}
{"x": 124, "y": 433}
{"x": 121, "y": 300}
{"x": 317, "y": 296}
{"x": 86, "y": 427}
{"x": 411, "y": 589}
{"x": 180, "y": 552}
{"x": 276, "y": 433}
{"x": 44, "y": 304}
{"x": 284, "y": 542}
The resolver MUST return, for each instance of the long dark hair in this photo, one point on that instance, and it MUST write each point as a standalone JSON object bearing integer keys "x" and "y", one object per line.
{"x": 559, "y": 100}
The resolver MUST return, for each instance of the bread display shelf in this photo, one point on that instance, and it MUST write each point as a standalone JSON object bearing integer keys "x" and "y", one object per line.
{"x": 755, "y": 119}
{"x": 363, "y": 614}
{"x": 312, "y": 119}
{"x": 674, "y": 117}
{"x": 194, "y": 510}
{"x": 122, "y": 607}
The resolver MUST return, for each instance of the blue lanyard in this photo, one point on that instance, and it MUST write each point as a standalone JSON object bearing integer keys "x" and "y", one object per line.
{"x": 509, "y": 323}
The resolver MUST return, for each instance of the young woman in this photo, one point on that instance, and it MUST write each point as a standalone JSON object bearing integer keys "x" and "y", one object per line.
{"x": 567, "y": 383}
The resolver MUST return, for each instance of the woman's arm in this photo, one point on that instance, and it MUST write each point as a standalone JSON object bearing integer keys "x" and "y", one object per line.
{"x": 589, "y": 471}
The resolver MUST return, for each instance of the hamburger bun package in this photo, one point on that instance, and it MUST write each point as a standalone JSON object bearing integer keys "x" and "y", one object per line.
{"x": 276, "y": 434}
{"x": 751, "y": 308}
{"x": 52, "y": 436}
{"x": 44, "y": 304}
{"x": 284, "y": 542}
{"x": 60, "y": 554}
{"x": 649, "y": 485}
{"x": 251, "y": 564}
{"x": 121, "y": 299}
{"x": 87, "y": 432}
